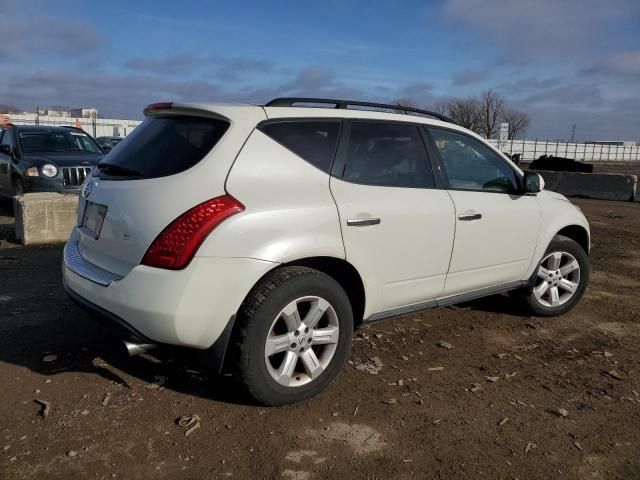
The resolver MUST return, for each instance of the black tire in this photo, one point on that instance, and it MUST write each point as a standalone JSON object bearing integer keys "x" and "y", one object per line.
{"x": 572, "y": 248}
{"x": 260, "y": 312}
{"x": 18, "y": 187}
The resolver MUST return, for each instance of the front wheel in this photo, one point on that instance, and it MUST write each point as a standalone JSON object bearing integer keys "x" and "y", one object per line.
{"x": 560, "y": 279}
{"x": 294, "y": 335}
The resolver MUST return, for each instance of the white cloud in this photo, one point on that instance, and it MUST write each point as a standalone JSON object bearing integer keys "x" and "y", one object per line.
{"x": 545, "y": 30}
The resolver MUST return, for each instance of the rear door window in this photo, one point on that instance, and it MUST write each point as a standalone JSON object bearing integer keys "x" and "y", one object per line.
{"x": 387, "y": 154}
{"x": 314, "y": 141}
{"x": 163, "y": 146}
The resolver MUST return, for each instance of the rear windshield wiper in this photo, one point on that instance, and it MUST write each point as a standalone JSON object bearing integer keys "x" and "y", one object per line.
{"x": 117, "y": 170}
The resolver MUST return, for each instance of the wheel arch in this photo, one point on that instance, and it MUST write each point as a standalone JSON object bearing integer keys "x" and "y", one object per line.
{"x": 345, "y": 274}
{"x": 337, "y": 268}
{"x": 578, "y": 234}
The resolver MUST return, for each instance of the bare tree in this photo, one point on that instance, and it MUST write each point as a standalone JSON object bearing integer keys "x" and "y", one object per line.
{"x": 441, "y": 107}
{"x": 465, "y": 112}
{"x": 491, "y": 108}
{"x": 404, "y": 103}
{"x": 518, "y": 121}
{"x": 481, "y": 114}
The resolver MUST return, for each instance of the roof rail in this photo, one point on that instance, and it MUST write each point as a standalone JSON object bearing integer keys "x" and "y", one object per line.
{"x": 344, "y": 104}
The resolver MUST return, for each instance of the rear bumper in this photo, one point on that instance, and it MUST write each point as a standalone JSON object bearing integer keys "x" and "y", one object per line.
{"x": 107, "y": 319}
{"x": 190, "y": 307}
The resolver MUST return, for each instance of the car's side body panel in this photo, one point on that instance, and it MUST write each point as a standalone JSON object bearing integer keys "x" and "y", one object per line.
{"x": 289, "y": 214}
{"x": 496, "y": 248}
{"x": 403, "y": 259}
{"x": 556, "y": 213}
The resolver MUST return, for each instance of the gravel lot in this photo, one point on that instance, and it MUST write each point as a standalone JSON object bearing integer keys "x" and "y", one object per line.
{"x": 515, "y": 396}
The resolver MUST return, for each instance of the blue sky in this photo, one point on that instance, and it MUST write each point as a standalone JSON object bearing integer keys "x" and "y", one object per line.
{"x": 564, "y": 62}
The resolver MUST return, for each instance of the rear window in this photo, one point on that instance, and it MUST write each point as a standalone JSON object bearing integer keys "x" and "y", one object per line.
{"x": 314, "y": 141}
{"x": 162, "y": 146}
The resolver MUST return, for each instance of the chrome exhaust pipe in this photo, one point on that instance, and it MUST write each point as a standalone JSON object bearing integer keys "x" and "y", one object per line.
{"x": 137, "y": 348}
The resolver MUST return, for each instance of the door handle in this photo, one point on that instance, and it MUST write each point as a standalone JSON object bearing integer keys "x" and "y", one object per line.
{"x": 467, "y": 217}
{"x": 362, "y": 222}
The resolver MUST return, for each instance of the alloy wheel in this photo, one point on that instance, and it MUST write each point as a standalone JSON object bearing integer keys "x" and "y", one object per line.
{"x": 558, "y": 279}
{"x": 302, "y": 341}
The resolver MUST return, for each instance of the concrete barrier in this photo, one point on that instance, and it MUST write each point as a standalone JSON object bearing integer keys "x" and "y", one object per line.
{"x": 601, "y": 186}
{"x": 45, "y": 218}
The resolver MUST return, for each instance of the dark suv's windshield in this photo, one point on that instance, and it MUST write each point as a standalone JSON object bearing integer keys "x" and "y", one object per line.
{"x": 57, "y": 141}
{"x": 163, "y": 146}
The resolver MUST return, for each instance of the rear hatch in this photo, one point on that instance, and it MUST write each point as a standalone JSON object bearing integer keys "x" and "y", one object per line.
{"x": 176, "y": 159}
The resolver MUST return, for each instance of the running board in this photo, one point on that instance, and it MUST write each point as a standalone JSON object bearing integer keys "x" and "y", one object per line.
{"x": 443, "y": 302}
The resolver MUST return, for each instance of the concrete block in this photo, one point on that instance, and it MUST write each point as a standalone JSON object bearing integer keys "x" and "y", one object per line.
{"x": 45, "y": 218}
{"x": 601, "y": 186}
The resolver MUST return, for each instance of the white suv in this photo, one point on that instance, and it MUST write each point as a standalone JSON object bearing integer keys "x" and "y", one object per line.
{"x": 264, "y": 234}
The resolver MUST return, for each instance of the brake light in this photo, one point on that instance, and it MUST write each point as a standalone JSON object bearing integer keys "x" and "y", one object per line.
{"x": 158, "y": 106}
{"x": 177, "y": 243}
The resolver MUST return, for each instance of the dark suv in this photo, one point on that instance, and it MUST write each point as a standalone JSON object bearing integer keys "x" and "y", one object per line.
{"x": 108, "y": 143}
{"x": 45, "y": 159}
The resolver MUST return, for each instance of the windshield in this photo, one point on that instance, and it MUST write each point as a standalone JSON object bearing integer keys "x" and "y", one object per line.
{"x": 57, "y": 141}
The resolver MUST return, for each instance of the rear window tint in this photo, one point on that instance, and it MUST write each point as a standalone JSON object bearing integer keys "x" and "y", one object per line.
{"x": 314, "y": 141}
{"x": 163, "y": 146}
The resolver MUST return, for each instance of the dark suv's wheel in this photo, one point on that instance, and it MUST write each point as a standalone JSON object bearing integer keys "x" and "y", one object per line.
{"x": 560, "y": 279}
{"x": 293, "y": 336}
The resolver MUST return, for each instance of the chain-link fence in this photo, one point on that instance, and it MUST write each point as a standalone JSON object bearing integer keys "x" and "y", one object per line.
{"x": 586, "y": 152}
{"x": 97, "y": 127}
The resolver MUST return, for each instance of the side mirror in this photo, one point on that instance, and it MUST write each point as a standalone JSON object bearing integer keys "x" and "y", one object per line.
{"x": 533, "y": 182}
{"x": 106, "y": 148}
{"x": 6, "y": 150}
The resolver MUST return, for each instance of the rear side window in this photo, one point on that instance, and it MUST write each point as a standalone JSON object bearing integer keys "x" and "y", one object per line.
{"x": 314, "y": 141}
{"x": 386, "y": 154}
{"x": 162, "y": 146}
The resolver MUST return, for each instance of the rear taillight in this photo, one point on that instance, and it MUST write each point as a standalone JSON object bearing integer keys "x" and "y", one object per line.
{"x": 175, "y": 246}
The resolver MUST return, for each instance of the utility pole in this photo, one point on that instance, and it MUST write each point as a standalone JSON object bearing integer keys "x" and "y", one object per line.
{"x": 573, "y": 133}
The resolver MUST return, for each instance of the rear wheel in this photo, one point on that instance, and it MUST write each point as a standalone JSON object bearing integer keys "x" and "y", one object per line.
{"x": 560, "y": 279}
{"x": 294, "y": 335}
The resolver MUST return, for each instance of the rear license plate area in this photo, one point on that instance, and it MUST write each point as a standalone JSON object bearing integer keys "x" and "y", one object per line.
{"x": 93, "y": 218}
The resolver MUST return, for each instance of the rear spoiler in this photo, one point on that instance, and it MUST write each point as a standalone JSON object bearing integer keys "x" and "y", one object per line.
{"x": 172, "y": 108}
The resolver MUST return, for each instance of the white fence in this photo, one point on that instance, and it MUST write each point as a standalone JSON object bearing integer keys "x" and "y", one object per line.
{"x": 587, "y": 152}
{"x": 98, "y": 127}
{"x": 529, "y": 149}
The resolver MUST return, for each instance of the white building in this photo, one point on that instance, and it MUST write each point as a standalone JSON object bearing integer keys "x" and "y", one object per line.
{"x": 58, "y": 113}
{"x": 84, "y": 113}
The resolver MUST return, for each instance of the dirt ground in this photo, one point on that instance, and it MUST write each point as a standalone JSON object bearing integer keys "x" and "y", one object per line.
{"x": 487, "y": 408}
